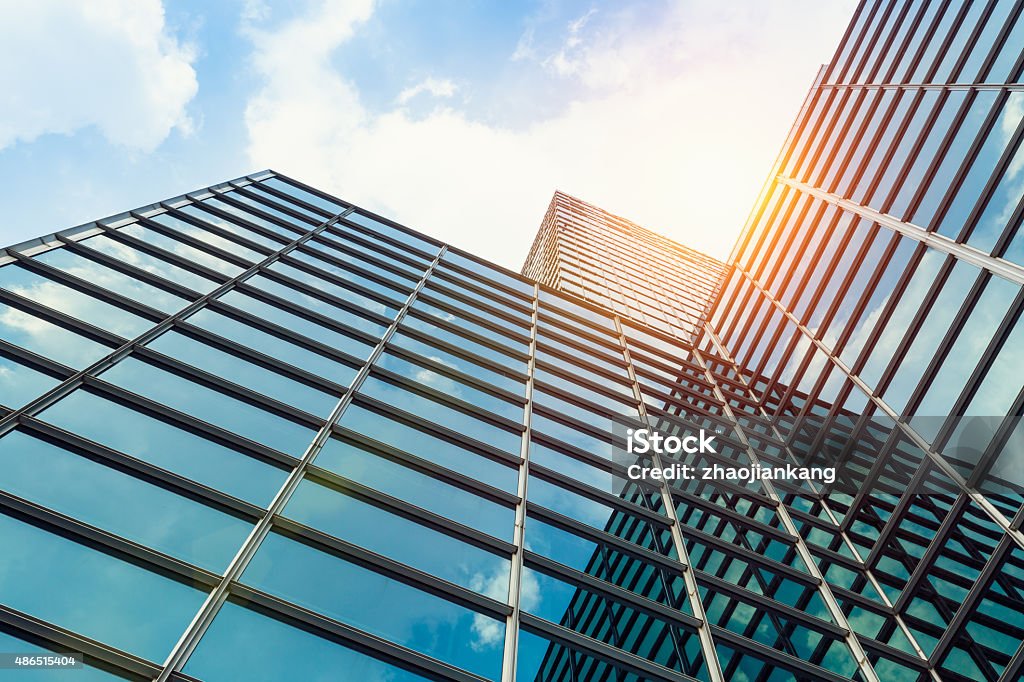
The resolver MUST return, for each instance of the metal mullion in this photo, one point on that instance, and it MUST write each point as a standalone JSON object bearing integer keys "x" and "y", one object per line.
{"x": 576, "y": 424}
{"x": 516, "y": 295}
{"x": 284, "y": 237}
{"x": 334, "y": 278}
{"x": 385, "y": 566}
{"x": 867, "y": 40}
{"x": 335, "y": 300}
{"x": 584, "y": 456}
{"x": 144, "y": 470}
{"x": 64, "y": 320}
{"x": 850, "y": 638}
{"x": 196, "y": 243}
{"x": 683, "y": 565}
{"x": 126, "y": 268}
{"x": 386, "y": 238}
{"x": 598, "y": 409}
{"x": 372, "y": 242}
{"x": 329, "y": 257}
{"x": 486, "y": 449}
{"x": 260, "y": 201}
{"x": 607, "y": 653}
{"x": 585, "y": 382}
{"x": 273, "y": 329}
{"x": 453, "y": 287}
{"x": 1003, "y": 165}
{"x": 480, "y": 287}
{"x": 609, "y": 590}
{"x": 298, "y": 201}
{"x": 429, "y": 468}
{"x": 189, "y": 422}
{"x": 775, "y": 658}
{"x": 36, "y": 361}
{"x": 197, "y": 628}
{"x": 352, "y": 637}
{"x": 458, "y": 375}
{"x": 401, "y": 508}
{"x": 102, "y": 294}
{"x": 957, "y": 624}
{"x": 233, "y": 237}
{"x": 621, "y": 505}
{"x": 600, "y": 537}
{"x": 446, "y": 399}
{"x": 510, "y": 652}
{"x": 101, "y": 540}
{"x": 60, "y": 638}
{"x": 578, "y": 360}
{"x": 970, "y": 45}
{"x": 750, "y": 556}
{"x": 1013, "y": 314}
{"x": 117, "y": 235}
{"x": 999, "y": 442}
{"x": 259, "y": 358}
{"x": 729, "y": 514}
{"x": 309, "y": 314}
{"x": 469, "y": 334}
{"x": 226, "y": 387}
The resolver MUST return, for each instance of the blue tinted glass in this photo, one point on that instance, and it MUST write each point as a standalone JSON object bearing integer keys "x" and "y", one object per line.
{"x": 902, "y": 315}
{"x": 287, "y": 234}
{"x": 81, "y": 589}
{"x": 332, "y": 243}
{"x": 197, "y": 256}
{"x": 152, "y": 264}
{"x": 71, "y": 302}
{"x": 570, "y": 435}
{"x": 422, "y": 490}
{"x": 490, "y": 273}
{"x": 934, "y": 327}
{"x": 20, "y": 384}
{"x": 1002, "y": 204}
{"x": 321, "y": 306}
{"x": 430, "y": 448}
{"x": 360, "y": 597}
{"x": 332, "y": 207}
{"x": 452, "y": 388}
{"x": 345, "y": 293}
{"x": 168, "y": 447}
{"x": 109, "y": 499}
{"x": 210, "y": 405}
{"x": 233, "y": 227}
{"x": 398, "y": 538}
{"x": 402, "y": 236}
{"x": 225, "y": 365}
{"x": 300, "y": 325}
{"x": 112, "y": 280}
{"x": 505, "y": 380}
{"x": 399, "y": 281}
{"x": 987, "y": 158}
{"x": 297, "y": 223}
{"x": 274, "y": 346}
{"x": 47, "y": 339}
{"x": 203, "y": 235}
{"x": 226, "y": 653}
{"x": 433, "y": 292}
{"x": 260, "y": 190}
{"x": 440, "y": 413}
{"x": 451, "y": 337}
{"x": 463, "y": 322}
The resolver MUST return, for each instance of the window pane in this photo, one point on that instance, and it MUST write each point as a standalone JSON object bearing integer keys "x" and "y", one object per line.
{"x": 151, "y": 264}
{"x": 53, "y": 578}
{"x": 402, "y": 482}
{"x": 71, "y": 302}
{"x": 328, "y": 205}
{"x": 48, "y": 339}
{"x": 226, "y": 653}
{"x": 260, "y": 379}
{"x": 158, "y": 442}
{"x": 116, "y": 502}
{"x": 210, "y": 405}
{"x": 358, "y": 596}
{"x": 20, "y": 384}
{"x": 203, "y": 235}
{"x": 400, "y": 539}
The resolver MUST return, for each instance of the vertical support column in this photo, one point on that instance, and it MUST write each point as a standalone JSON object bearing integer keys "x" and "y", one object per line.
{"x": 707, "y": 644}
{"x": 508, "y": 667}
{"x": 211, "y": 606}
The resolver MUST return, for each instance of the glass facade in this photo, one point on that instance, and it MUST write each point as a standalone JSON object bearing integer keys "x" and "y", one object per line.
{"x": 255, "y": 432}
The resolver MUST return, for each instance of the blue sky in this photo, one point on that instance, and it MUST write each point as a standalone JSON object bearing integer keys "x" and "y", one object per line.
{"x": 457, "y": 117}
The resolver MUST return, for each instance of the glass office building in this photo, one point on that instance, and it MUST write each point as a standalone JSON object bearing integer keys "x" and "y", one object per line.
{"x": 255, "y": 432}
{"x": 625, "y": 268}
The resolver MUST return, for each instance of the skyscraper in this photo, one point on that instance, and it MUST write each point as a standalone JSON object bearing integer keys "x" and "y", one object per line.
{"x": 255, "y": 432}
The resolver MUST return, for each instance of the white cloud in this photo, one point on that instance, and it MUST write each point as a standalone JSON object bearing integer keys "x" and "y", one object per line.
{"x": 105, "y": 63}
{"x": 438, "y": 87}
{"x": 676, "y": 126}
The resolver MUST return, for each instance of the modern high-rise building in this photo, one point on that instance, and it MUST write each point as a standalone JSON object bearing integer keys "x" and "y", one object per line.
{"x": 256, "y": 432}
